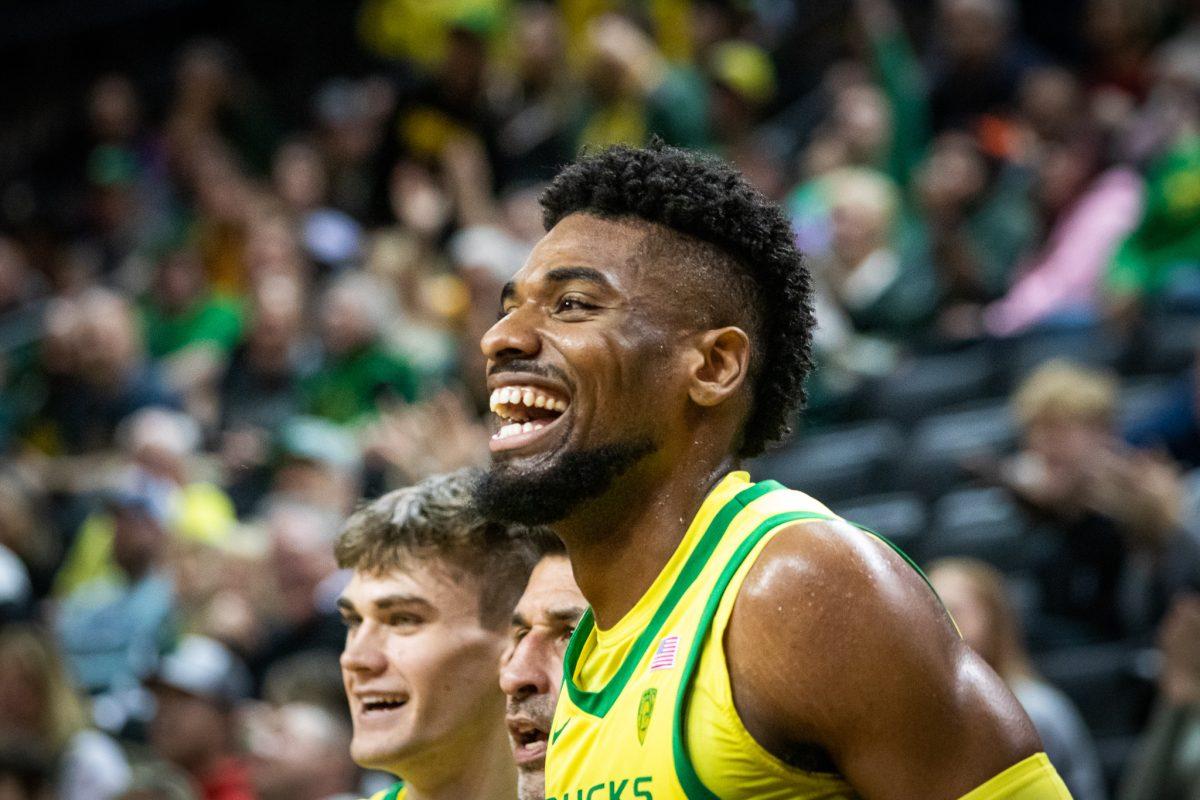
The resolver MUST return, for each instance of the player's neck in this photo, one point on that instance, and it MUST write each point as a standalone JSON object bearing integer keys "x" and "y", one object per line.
{"x": 482, "y": 769}
{"x": 619, "y": 543}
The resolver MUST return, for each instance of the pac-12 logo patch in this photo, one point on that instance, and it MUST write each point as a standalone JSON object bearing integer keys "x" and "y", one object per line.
{"x": 645, "y": 711}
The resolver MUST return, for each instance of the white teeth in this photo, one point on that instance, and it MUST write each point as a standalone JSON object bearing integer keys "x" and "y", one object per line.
{"x": 503, "y": 401}
{"x": 514, "y": 428}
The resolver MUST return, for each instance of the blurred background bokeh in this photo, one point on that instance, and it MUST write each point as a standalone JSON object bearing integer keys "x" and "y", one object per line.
{"x": 247, "y": 250}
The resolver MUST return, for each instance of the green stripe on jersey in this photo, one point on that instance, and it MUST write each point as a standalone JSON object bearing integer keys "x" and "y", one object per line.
{"x": 599, "y": 702}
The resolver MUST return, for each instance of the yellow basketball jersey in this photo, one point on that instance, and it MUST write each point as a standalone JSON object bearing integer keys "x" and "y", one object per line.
{"x": 646, "y": 711}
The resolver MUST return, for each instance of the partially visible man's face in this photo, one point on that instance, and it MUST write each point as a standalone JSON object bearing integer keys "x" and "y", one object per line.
{"x": 581, "y": 369}
{"x": 531, "y": 669}
{"x": 419, "y": 667}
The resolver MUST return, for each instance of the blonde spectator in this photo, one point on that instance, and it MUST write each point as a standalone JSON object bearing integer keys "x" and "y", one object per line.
{"x": 1111, "y": 514}
{"x": 358, "y": 370}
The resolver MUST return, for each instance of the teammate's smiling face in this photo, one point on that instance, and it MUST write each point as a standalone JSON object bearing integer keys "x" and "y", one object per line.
{"x": 418, "y": 664}
{"x": 581, "y": 360}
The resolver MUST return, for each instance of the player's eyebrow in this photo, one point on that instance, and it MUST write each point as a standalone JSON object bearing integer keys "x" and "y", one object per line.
{"x": 345, "y": 606}
{"x": 566, "y": 614}
{"x": 563, "y": 275}
{"x": 392, "y": 600}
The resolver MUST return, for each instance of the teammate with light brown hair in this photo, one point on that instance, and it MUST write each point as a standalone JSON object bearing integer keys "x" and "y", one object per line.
{"x": 427, "y": 612}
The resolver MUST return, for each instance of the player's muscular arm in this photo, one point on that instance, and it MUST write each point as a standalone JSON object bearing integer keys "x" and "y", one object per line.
{"x": 837, "y": 645}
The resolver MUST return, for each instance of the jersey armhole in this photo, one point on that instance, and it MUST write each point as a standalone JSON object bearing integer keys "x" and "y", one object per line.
{"x": 716, "y": 646}
{"x": 685, "y": 770}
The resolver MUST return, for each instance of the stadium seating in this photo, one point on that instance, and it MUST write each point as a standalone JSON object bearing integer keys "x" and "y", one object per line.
{"x": 1092, "y": 346}
{"x": 928, "y": 383}
{"x": 837, "y": 464}
{"x": 1110, "y": 683}
{"x": 982, "y": 523}
{"x": 942, "y": 446}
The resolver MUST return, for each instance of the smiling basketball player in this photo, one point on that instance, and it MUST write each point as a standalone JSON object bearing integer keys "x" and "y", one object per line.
{"x": 743, "y": 642}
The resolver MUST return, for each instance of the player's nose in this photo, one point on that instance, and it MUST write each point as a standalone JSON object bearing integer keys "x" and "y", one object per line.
{"x": 529, "y": 670}
{"x": 514, "y": 335}
{"x": 360, "y": 654}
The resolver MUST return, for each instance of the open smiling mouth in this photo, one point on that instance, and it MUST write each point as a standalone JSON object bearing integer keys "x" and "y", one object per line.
{"x": 381, "y": 704}
{"x": 529, "y": 742}
{"x": 524, "y": 413}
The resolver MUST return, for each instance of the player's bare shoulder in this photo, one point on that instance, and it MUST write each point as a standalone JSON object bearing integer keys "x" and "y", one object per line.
{"x": 819, "y": 577}
{"x": 837, "y": 643}
{"x": 823, "y": 596}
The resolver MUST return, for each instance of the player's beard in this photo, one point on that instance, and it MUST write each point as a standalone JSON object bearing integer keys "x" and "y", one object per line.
{"x": 546, "y": 494}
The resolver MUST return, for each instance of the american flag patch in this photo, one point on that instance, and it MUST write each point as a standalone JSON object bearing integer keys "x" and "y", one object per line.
{"x": 664, "y": 656}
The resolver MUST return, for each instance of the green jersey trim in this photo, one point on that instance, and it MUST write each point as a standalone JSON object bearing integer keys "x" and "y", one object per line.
{"x": 685, "y": 771}
{"x": 598, "y": 703}
{"x": 896, "y": 548}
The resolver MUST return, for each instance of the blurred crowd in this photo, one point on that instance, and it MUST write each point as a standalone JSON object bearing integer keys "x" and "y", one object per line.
{"x": 222, "y": 326}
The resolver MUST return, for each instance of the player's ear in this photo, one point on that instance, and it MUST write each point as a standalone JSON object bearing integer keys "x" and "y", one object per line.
{"x": 720, "y": 363}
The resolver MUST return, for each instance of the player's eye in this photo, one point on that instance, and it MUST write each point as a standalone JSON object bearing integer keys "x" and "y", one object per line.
{"x": 573, "y": 302}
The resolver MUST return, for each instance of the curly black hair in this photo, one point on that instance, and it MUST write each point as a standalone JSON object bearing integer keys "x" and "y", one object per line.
{"x": 756, "y": 272}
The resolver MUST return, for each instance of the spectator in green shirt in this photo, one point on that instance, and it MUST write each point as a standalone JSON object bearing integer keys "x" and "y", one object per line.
{"x": 184, "y": 313}
{"x": 358, "y": 369}
{"x": 190, "y": 331}
{"x": 1168, "y": 237}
